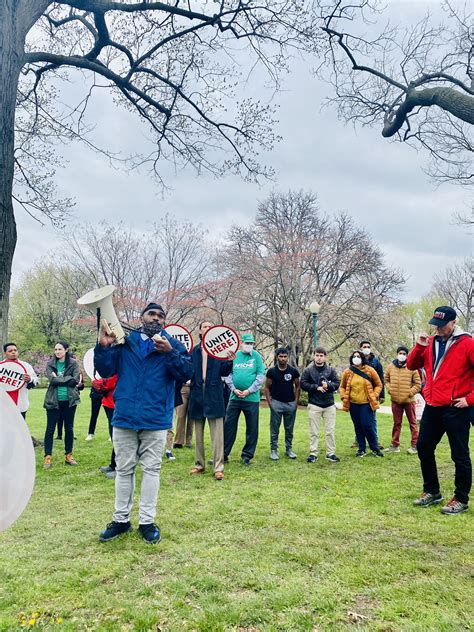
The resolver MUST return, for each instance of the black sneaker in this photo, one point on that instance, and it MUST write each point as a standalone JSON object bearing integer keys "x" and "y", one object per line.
{"x": 106, "y": 468}
{"x": 177, "y": 445}
{"x": 245, "y": 460}
{"x": 312, "y": 458}
{"x": 361, "y": 453}
{"x": 333, "y": 458}
{"x": 113, "y": 530}
{"x": 426, "y": 499}
{"x": 150, "y": 533}
{"x": 378, "y": 453}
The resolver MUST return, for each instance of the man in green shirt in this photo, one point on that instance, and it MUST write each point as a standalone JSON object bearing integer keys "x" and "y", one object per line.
{"x": 248, "y": 374}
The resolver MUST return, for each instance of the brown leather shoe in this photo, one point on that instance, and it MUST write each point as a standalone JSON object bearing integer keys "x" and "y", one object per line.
{"x": 70, "y": 460}
{"x": 218, "y": 476}
{"x": 197, "y": 470}
{"x": 47, "y": 462}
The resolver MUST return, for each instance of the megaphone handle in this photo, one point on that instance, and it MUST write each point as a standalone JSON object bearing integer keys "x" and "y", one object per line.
{"x": 98, "y": 318}
{"x": 106, "y": 326}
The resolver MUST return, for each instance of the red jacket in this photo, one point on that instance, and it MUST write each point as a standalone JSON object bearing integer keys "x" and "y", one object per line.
{"x": 107, "y": 387}
{"x": 455, "y": 375}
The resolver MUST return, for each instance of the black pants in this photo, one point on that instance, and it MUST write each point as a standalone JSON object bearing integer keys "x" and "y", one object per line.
{"x": 96, "y": 403}
{"x": 52, "y": 416}
{"x": 60, "y": 424}
{"x": 455, "y": 422}
{"x": 110, "y": 413}
{"x": 250, "y": 410}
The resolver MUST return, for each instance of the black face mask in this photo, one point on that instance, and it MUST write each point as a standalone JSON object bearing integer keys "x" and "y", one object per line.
{"x": 151, "y": 329}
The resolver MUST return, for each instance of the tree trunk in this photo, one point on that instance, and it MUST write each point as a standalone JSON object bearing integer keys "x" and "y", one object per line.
{"x": 11, "y": 55}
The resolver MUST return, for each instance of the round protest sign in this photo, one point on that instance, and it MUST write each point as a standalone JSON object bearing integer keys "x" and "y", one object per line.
{"x": 17, "y": 462}
{"x": 219, "y": 340}
{"x": 88, "y": 364}
{"x": 12, "y": 376}
{"x": 180, "y": 333}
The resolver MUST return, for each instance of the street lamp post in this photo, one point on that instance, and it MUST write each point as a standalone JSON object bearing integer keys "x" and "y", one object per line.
{"x": 314, "y": 309}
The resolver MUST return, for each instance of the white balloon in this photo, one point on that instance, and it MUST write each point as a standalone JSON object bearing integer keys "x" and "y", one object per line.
{"x": 17, "y": 462}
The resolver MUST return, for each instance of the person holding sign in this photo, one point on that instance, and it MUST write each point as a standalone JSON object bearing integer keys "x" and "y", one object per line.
{"x": 248, "y": 375}
{"x": 148, "y": 365}
{"x": 10, "y": 352}
{"x": 206, "y": 401}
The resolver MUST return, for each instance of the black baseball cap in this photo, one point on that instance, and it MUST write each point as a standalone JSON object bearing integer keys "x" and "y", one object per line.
{"x": 443, "y": 315}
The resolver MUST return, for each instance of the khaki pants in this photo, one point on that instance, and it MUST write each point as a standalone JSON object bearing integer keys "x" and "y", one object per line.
{"x": 328, "y": 415}
{"x": 216, "y": 428}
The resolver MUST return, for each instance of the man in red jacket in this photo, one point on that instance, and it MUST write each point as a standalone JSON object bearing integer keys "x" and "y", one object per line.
{"x": 448, "y": 359}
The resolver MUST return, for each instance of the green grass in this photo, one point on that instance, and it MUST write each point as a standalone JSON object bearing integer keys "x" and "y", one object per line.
{"x": 277, "y": 546}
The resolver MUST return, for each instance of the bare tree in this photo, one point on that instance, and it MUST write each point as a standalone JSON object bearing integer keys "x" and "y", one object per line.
{"x": 174, "y": 64}
{"x": 456, "y": 287}
{"x": 416, "y": 84}
{"x": 290, "y": 256}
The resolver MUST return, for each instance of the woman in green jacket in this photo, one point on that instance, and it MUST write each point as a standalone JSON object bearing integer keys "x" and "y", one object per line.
{"x": 61, "y": 399}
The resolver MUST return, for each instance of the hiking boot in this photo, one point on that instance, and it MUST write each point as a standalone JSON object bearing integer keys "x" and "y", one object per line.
{"x": 426, "y": 499}
{"x": 361, "y": 453}
{"x": 312, "y": 458}
{"x": 454, "y": 506}
{"x": 89, "y": 437}
{"x": 274, "y": 455}
{"x": 333, "y": 458}
{"x": 150, "y": 533}
{"x": 378, "y": 453}
{"x": 412, "y": 450}
{"x": 169, "y": 455}
{"x": 290, "y": 454}
{"x": 113, "y": 530}
{"x": 392, "y": 448}
{"x": 47, "y": 463}
{"x": 70, "y": 460}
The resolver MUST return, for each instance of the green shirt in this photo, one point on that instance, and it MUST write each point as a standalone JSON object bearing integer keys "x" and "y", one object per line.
{"x": 62, "y": 390}
{"x": 245, "y": 369}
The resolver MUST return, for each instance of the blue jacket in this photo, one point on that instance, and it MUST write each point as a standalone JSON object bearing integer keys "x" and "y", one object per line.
{"x": 144, "y": 396}
{"x": 207, "y": 402}
{"x": 375, "y": 363}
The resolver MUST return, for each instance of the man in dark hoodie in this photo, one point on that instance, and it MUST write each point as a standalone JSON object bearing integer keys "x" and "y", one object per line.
{"x": 320, "y": 381}
{"x": 448, "y": 359}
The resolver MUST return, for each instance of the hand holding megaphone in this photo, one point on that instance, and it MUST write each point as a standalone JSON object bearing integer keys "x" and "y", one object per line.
{"x": 107, "y": 335}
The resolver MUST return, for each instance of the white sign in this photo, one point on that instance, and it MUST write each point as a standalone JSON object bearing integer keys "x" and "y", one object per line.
{"x": 17, "y": 462}
{"x": 12, "y": 375}
{"x": 180, "y": 333}
{"x": 88, "y": 363}
{"x": 219, "y": 340}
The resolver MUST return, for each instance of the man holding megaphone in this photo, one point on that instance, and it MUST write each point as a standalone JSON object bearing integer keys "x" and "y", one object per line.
{"x": 148, "y": 364}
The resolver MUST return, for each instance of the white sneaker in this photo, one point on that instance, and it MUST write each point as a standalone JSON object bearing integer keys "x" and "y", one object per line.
{"x": 89, "y": 437}
{"x": 169, "y": 455}
{"x": 412, "y": 451}
{"x": 392, "y": 448}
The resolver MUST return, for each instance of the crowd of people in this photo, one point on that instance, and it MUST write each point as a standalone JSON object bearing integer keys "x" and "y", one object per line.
{"x": 151, "y": 379}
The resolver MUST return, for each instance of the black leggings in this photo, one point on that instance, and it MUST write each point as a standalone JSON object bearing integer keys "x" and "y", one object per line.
{"x": 96, "y": 403}
{"x": 66, "y": 413}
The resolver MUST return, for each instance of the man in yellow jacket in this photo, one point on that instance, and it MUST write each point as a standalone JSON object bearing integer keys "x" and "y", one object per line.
{"x": 402, "y": 384}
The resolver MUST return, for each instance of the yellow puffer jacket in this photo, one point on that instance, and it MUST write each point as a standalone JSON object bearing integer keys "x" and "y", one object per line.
{"x": 402, "y": 383}
{"x": 372, "y": 388}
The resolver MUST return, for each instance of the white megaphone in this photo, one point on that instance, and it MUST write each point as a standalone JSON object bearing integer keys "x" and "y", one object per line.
{"x": 101, "y": 299}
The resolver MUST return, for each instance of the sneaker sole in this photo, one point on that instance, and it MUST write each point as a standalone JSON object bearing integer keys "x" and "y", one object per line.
{"x": 433, "y": 502}
{"x": 114, "y": 537}
{"x": 450, "y": 513}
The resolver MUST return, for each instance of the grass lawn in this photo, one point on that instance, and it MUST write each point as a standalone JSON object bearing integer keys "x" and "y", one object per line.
{"x": 276, "y": 546}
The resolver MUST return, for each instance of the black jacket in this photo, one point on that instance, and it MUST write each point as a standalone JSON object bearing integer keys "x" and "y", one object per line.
{"x": 312, "y": 378}
{"x": 207, "y": 400}
{"x": 377, "y": 365}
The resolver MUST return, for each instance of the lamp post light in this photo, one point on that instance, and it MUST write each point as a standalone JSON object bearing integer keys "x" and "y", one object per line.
{"x": 314, "y": 309}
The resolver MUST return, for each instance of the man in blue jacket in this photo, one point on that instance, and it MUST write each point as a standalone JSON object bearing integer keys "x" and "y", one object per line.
{"x": 148, "y": 364}
{"x": 206, "y": 401}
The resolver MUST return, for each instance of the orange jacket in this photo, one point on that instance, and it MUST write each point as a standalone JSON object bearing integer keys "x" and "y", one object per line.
{"x": 372, "y": 388}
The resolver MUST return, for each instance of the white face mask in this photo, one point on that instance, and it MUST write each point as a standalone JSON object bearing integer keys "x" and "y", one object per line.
{"x": 356, "y": 361}
{"x": 401, "y": 357}
{"x": 247, "y": 348}
{"x": 366, "y": 351}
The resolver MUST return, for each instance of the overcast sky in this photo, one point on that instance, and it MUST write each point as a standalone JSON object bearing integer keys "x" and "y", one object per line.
{"x": 380, "y": 183}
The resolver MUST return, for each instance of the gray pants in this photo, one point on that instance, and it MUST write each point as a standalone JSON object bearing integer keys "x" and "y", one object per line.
{"x": 132, "y": 447}
{"x": 287, "y": 410}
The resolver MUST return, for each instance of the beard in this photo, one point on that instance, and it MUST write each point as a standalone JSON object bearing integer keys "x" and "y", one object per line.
{"x": 151, "y": 329}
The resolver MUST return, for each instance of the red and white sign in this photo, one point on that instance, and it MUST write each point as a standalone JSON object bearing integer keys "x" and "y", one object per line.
{"x": 12, "y": 377}
{"x": 219, "y": 340}
{"x": 180, "y": 333}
